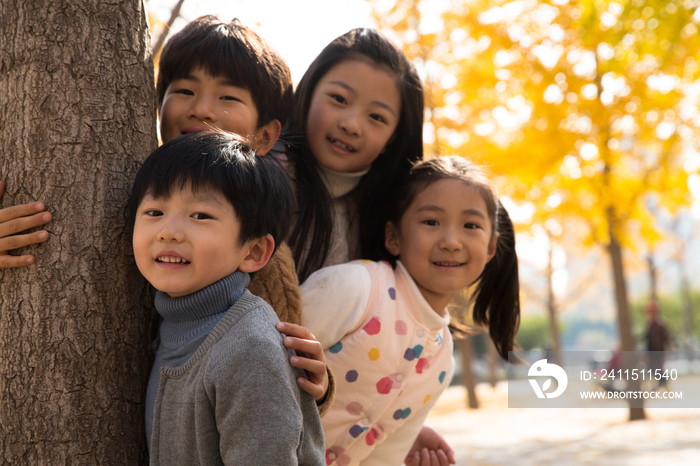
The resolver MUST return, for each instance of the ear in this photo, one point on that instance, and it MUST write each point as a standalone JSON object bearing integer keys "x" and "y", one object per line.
{"x": 392, "y": 240}
{"x": 492, "y": 247}
{"x": 259, "y": 253}
{"x": 266, "y": 137}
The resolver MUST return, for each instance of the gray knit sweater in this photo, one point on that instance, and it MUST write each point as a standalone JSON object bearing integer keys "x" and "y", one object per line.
{"x": 235, "y": 399}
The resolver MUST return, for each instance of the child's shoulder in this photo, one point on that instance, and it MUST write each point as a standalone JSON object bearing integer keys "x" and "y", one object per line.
{"x": 249, "y": 320}
{"x": 376, "y": 270}
{"x": 376, "y": 265}
{"x": 249, "y": 337}
{"x": 257, "y": 316}
{"x": 338, "y": 277}
{"x": 349, "y": 270}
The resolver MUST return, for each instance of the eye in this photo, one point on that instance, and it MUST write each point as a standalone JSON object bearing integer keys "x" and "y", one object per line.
{"x": 183, "y": 92}
{"x": 153, "y": 213}
{"x": 471, "y": 226}
{"x": 431, "y": 222}
{"x": 231, "y": 98}
{"x": 338, "y": 98}
{"x": 201, "y": 216}
{"x": 378, "y": 118}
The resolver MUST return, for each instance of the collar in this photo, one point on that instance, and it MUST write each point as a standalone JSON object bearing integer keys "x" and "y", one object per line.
{"x": 341, "y": 183}
{"x": 430, "y": 318}
{"x": 187, "y": 317}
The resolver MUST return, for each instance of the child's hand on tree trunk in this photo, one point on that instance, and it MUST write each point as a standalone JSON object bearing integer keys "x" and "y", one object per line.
{"x": 17, "y": 219}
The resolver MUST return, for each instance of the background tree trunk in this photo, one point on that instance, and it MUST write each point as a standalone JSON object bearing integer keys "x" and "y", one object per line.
{"x": 77, "y": 111}
{"x": 624, "y": 322}
{"x": 653, "y": 276}
{"x": 552, "y": 305}
{"x": 160, "y": 41}
{"x": 465, "y": 348}
{"x": 493, "y": 362}
{"x": 687, "y": 307}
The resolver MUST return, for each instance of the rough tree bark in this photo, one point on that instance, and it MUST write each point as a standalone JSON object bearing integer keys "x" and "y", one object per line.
{"x": 77, "y": 117}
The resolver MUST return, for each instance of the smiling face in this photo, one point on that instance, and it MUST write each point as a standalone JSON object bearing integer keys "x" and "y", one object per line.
{"x": 187, "y": 241}
{"x": 353, "y": 113}
{"x": 444, "y": 240}
{"x": 199, "y": 101}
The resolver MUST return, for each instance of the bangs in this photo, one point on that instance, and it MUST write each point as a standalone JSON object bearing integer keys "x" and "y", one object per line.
{"x": 219, "y": 57}
{"x": 257, "y": 187}
{"x": 235, "y": 53}
{"x": 195, "y": 174}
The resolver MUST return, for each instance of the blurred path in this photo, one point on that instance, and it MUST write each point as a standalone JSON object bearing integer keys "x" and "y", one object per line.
{"x": 497, "y": 435}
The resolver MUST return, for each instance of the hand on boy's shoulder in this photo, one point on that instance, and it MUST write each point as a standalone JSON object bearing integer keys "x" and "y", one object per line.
{"x": 310, "y": 357}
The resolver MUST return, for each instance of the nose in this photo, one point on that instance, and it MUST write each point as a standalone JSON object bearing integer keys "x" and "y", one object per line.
{"x": 350, "y": 123}
{"x": 203, "y": 109}
{"x": 171, "y": 232}
{"x": 450, "y": 240}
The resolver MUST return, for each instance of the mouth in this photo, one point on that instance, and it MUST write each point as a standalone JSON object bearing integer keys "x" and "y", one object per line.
{"x": 452, "y": 264}
{"x": 341, "y": 145}
{"x": 192, "y": 129}
{"x": 172, "y": 260}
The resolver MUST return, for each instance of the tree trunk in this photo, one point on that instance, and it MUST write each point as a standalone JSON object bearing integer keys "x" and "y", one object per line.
{"x": 687, "y": 306}
{"x": 653, "y": 287}
{"x": 465, "y": 348}
{"x": 160, "y": 42}
{"x": 492, "y": 356}
{"x": 623, "y": 315}
{"x": 552, "y": 307}
{"x": 77, "y": 109}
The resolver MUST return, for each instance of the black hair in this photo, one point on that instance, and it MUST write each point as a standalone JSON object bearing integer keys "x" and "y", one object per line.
{"x": 258, "y": 188}
{"x": 232, "y": 50}
{"x": 314, "y": 224}
{"x": 496, "y": 296}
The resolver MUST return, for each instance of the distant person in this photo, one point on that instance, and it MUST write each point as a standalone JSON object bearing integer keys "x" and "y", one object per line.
{"x": 657, "y": 340}
{"x": 614, "y": 364}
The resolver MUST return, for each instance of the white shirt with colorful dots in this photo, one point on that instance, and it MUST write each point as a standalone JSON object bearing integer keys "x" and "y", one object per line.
{"x": 391, "y": 354}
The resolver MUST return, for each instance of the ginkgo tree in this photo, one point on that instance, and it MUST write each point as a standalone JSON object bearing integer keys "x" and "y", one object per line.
{"x": 582, "y": 108}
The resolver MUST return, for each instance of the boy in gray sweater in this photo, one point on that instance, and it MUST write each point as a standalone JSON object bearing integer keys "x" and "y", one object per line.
{"x": 207, "y": 213}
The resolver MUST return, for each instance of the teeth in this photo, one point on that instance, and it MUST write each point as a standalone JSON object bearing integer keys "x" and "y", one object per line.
{"x": 341, "y": 145}
{"x": 172, "y": 259}
{"x": 447, "y": 264}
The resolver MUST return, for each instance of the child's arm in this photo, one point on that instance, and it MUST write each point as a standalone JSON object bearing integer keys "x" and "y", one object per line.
{"x": 430, "y": 449}
{"x": 17, "y": 219}
{"x": 278, "y": 285}
{"x": 334, "y": 300}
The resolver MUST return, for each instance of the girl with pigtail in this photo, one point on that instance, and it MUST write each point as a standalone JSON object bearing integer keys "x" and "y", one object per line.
{"x": 384, "y": 325}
